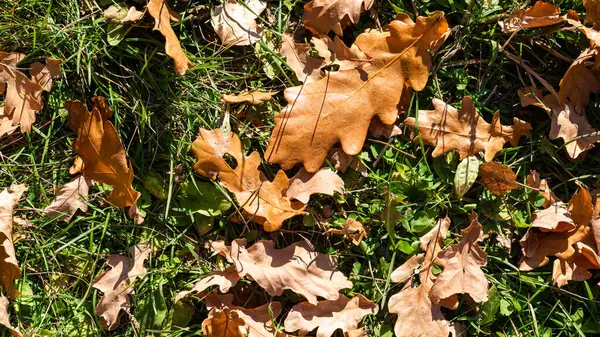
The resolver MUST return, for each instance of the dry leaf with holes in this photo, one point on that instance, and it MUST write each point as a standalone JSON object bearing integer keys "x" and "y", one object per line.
{"x": 224, "y": 279}
{"x": 534, "y": 181}
{"x": 4, "y": 319}
{"x": 69, "y": 198}
{"x": 102, "y": 153}
{"x": 9, "y": 266}
{"x": 353, "y": 230}
{"x": 163, "y": 15}
{"x": 322, "y": 16}
{"x": 464, "y": 130}
{"x": 305, "y": 184}
{"x": 235, "y": 23}
{"x": 541, "y": 14}
{"x": 328, "y": 316}
{"x": 117, "y": 284}
{"x": 339, "y": 107}
{"x": 498, "y": 178}
{"x": 254, "y": 97}
{"x": 297, "y": 267}
{"x": 555, "y": 218}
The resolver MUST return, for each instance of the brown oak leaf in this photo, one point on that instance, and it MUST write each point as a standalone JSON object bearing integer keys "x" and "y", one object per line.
{"x": 224, "y": 279}
{"x": 69, "y": 198}
{"x": 417, "y": 314}
{"x": 4, "y": 319}
{"x": 541, "y": 14}
{"x": 464, "y": 130}
{"x": 9, "y": 266}
{"x": 532, "y": 96}
{"x": 580, "y": 207}
{"x": 328, "y": 316}
{"x": 498, "y": 178}
{"x": 43, "y": 74}
{"x": 341, "y": 161}
{"x": 353, "y": 230}
{"x": 578, "y": 82}
{"x": 306, "y": 68}
{"x": 335, "y": 52}
{"x": 340, "y": 106}
{"x": 163, "y": 15}
{"x": 235, "y": 23}
{"x": 224, "y": 323}
{"x": 555, "y": 218}
{"x": 117, "y": 284}
{"x": 534, "y": 181}
{"x": 322, "y": 16}
{"x": 305, "y": 184}
{"x": 592, "y": 11}
{"x": 254, "y": 97}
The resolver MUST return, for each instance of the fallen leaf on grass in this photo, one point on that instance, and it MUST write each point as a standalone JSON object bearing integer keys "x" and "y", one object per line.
{"x": 340, "y": 106}
{"x": 464, "y": 130}
{"x": 306, "y": 68}
{"x": 353, "y": 230}
{"x": 417, "y": 314}
{"x": 224, "y": 279}
{"x": 100, "y": 148}
{"x": 163, "y": 15}
{"x": 328, "y": 316}
{"x": 322, "y": 16}
{"x": 9, "y": 266}
{"x": 43, "y": 74}
{"x": 235, "y": 23}
{"x": 4, "y": 319}
{"x": 117, "y": 284}
{"x": 341, "y": 161}
{"x": 69, "y": 198}
{"x": 224, "y": 323}
{"x": 498, "y": 178}
{"x": 541, "y": 14}
{"x": 592, "y": 11}
{"x": 580, "y": 207}
{"x": 555, "y": 218}
{"x": 534, "y": 181}
{"x": 378, "y": 129}
{"x": 254, "y": 97}
{"x": 532, "y": 96}
{"x": 335, "y": 52}
{"x": 578, "y": 82}
{"x": 305, "y": 184}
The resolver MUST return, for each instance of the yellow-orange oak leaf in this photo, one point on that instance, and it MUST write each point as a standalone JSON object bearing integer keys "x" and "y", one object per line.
{"x": 541, "y": 14}
{"x": 296, "y": 267}
{"x": 580, "y": 207}
{"x": 9, "y": 266}
{"x": 322, "y": 16}
{"x": 328, "y": 316}
{"x": 235, "y": 23}
{"x": 163, "y": 15}
{"x": 254, "y": 97}
{"x": 498, "y": 178}
{"x": 69, "y": 198}
{"x": 464, "y": 130}
{"x": 534, "y": 181}
{"x": 100, "y": 148}
{"x": 117, "y": 284}
{"x": 339, "y": 107}
{"x": 335, "y": 52}
{"x": 4, "y": 318}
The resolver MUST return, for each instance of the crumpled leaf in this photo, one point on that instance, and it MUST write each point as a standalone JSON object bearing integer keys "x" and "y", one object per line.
{"x": 254, "y": 97}
{"x": 100, "y": 148}
{"x": 498, "y": 178}
{"x": 43, "y": 74}
{"x": 462, "y": 263}
{"x": 297, "y": 267}
{"x": 235, "y": 23}
{"x": 534, "y": 180}
{"x": 163, "y": 15}
{"x": 555, "y": 218}
{"x": 305, "y": 184}
{"x": 353, "y": 230}
{"x": 69, "y": 198}
{"x": 328, "y": 316}
{"x": 4, "y": 319}
{"x": 541, "y": 14}
{"x": 9, "y": 266}
{"x": 417, "y": 314}
{"x": 322, "y": 16}
{"x": 340, "y": 106}
{"x": 224, "y": 279}
{"x": 464, "y": 130}
{"x": 117, "y": 284}
{"x": 263, "y": 201}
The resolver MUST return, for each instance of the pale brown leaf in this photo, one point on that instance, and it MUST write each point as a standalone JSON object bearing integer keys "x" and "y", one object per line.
{"x": 9, "y": 266}
{"x": 417, "y": 315}
{"x": 44, "y": 73}
{"x": 235, "y": 23}
{"x": 555, "y": 218}
{"x": 407, "y": 269}
{"x": 534, "y": 181}
{"x": 378, "y": 129}
{"x": 322, "y": 16}
{"x": 305, "y": 184}
{"x": 163, "y": 15}
{"x": 353, "y": 230}
{"x": 69, "y": 198}
{"x": 224, "y": 323}
{"x": 254, "y": 97}
{"x": 306, "y": 68}
{"x": 532, "y": 96}
{"x": 4, "y": 319}
{"x": 341, "y": 161}
{"x": 498, "y": 178}
{"x": 224, "y": 279}
{"x": 541, "y": 14}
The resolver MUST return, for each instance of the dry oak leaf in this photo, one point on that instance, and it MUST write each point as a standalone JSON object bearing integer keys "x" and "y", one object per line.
{"x": 541, "y": 14}
{"x": 322, "y": 16}
{"x": 296, "y": 267}
{"x": 163, "y": 15}
{"x": 224, "y": 279}
{"x": 580, "y": 207}
{"x": 407, "y": 269}
{"x": 4, "y": 319}
{"x": 498, "y": 178}
{"x": 534, "y": 181}
{"x": 43, "y": 74}
{"x": 305, "y": 184}
{"x": 9, "y": 266}
{"x": 336, "y": 52}
{"x": 462, "y": 263}
{"x": 341, "y": 162}
{"x": 378, "y": 129}
{"x": 235, "y": 23}
{"x": 340, "y": 106}
{"x": 6, "y": 125}
{"x": 555, "y": 218}
{"x": 69, "y": 198}
{"x": 100, "y": 148}
{"x": 464, "y": 130}
{"x": 224, "y": 323}
{"x": 263, "y": 201}
{"x": 592, "y": 11}
{"x": 575, "y": 267}
{"x": 328, "y": 316}
{"x": 353, "y": 229}
{"x": 306, "y": 68}
{"x": 117, "y": 283}
{"x": 578, "y": 82}
{"x": 532, "y": 96}
{"x": 254, "y": 97}
{"x": 257, "y": 322}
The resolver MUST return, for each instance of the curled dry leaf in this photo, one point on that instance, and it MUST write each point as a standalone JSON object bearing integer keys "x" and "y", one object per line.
{"x": 163, "y": 15}
{"x": 555, "y": 218}
{"x": 498, "y": 178}
{"x": 4, "y": 319}
{"x": 254, "y": 97}
{"x": 297, "y": 267}
{"x": 43, "y": 74}
{"x": 235, "y": 23}
{"x": 117, "y": 284}
{"x": 541, "y": 14}
{"x": 534, "y": 181}
{"x": 69, "y": 198}
{"x": 464, "y": 130}
{"x": 578, "y": 82}
{"x": 353, "y": 230}
{"x": 322, "y": 16}
{"x": 9, "y": 266}
{"x": 224, "y": 279}
{"x": 328, "y": 316}
{"x": 462, "y": 263}
{"x": 305, "y": 184}
{"x": 256, "y": 322}
{"x": 101, "y": 151}
{"x": 340, "y": 106}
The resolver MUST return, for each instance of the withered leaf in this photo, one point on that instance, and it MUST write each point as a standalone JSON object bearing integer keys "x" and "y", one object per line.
{"x": 9, "y": 266}
{"x": 224, "y": 323}
{"x": 163, "y": 15}
{"x": 592, "y": 11}
{"x": 4, "y": 319}
{"x": 306, "y": 68}
{"x": 297, "y": 267}
{"x": 305, "y": 184}
{"x": 541, "y": 14}
{"x": 580, "y": 207}
{"x": 534, "y": 180}
{"x": 555, "y": 218}
{"x": 224, "y": 279}
{"x": 117, "y": 284}
{"x": 576, "y": 266}
{"x": 235, "y": 23}
{"x": 328, "y": 316}
{"x": 464, "y": 130}
{"x": 254, "y": 97}
{"x": 498, "y": 178}
{"x": 335, "y": 52}
{"x": 322, "y": 16}
{"x": 532, "y": 96}
{"x": 417, "y": 315}
{"x": 341, "y": 161}
{"x": 69, "y": 198}
{"x": 43, "y": 74}
{"x": 407, "y": 269}
{"x": 353, "y": 230}
{"x": 578, "y": 82}
{"x": 378, "y": 129}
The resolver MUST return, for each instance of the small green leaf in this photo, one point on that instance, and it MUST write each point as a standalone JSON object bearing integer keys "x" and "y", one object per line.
{"x": 202, "y": 198}
{"x": 116, "y": 33}
{"x": 466, "y": 174}
{"x": 179, "y": 316}
{"x": 490, "y": 308}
